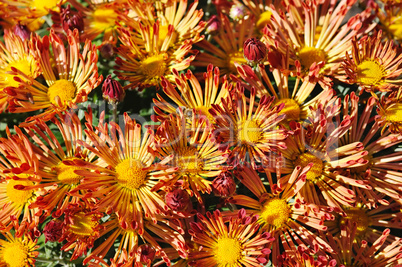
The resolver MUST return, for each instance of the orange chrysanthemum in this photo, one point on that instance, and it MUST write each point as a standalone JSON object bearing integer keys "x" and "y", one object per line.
{"x": 196, "y": 155}
{"x": 251, "y": 131}
{"x": 75, "y": 75}
{"x": 15, "y": 53}
{"x": 238, "y": 243}
{"x": 189, "y": 94}
{"x": 373, "y": 65}
{"x": 125, "y": 185}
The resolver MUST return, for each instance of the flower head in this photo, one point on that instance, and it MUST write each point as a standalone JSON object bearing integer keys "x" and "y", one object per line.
{"x": 112, "y": 90}
{"x": 254, "y": 50}
{"x": 236, "y": 243}
{"x": 71, "y": 20}
{"x": 74, "y": 77}
{"x": 53, "y": 230}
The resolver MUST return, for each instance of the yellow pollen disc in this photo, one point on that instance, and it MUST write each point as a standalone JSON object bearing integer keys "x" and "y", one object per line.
{"x": 309, "y": 55}
{"x": 291, "y": 109}
{"x": 394, "y": 26}
{"x": 275, "y": 212}
{"x": 369, "y": 72}
{"x": 66, "y": 175}
{"x": 103, "y": 18}
{"x": 250, "y": 132}
{"x": 22, "y": 65}
{"x": 15, "y": 254}
{"x": 154, "y": 66}
{"x": 228, "y": 252}
{"x": 19, "y": 197}
{"x": 358, "y": 216}
{"x": 163, "y": 32}
{"x": 394, "y": 113}
{"x": 130, "y": 173}
{"x": 82, "y": 224}
{"x": 235, "y": 57}
{"x": 62, "y": 88}
{"x": 263, "y": 20}
{"x": 188, "y": 160}
{"x": 43, "y": 5}
{"x": 316, "y": 170}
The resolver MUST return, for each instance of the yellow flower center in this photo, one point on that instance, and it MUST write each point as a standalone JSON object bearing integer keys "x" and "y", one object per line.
{"x": 130, "y": 173}
{"x": 82, "y": 224}
{"x": 394, "y": 25}
{"x": 188, "y": 160}
{"x": 205, "y": 112}
{"x": 66, "y": 174}
{"x": 103, "y": 18}
{"x": 250, "y": 132}
{"x": 316, "y": 170}
{"x": 358, "y": 216}
{"x": 22, "y": 65}
{"x": 62, "y": 88}
{"x": 44, "y": 5}
{"x": 369, "y": 72}
{"x": 163, "y": 32}
{"x": 394, "y": 113}
{"x": 235, "y": 57}
{"x": 154, "y": 66}
{"x": 275, "y": 212}
{"x": 263, "y": 20}
{"x": 15, "y": 254}
{"x": 19, "y": 197}
{"x": 228, "y": 252}
{"x": 291, "y": 109}
{"x": 309, "y": 55}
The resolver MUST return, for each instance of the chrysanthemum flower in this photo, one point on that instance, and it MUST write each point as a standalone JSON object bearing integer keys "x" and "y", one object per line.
{"x": 261, "y": 10}
{"x": 373, "y": 65}
{"x": 237, "y": 243}
{"x": 166, "y": 230}
{"x": 57, "y": 161}
{"x": 251, "y": 131}
{"x": 17, "y": 251}
{"x": 125, "y": 185}
{"x": 389, "y": 112}
{"x": 18, "y": 168}
{"x": 80, "y": 229}
{"x": 296, "y": 100}
{"x": 226, "y": 47}
{"x": 289, "y": 220}
{"x": 382, "y": 170}
{"x": 14, "y": 53}
{"x": 391, "y": 20}
{"x": 196, "y": 156}
{"x": 317, "y": 143}
{"x": 99, "y": 17}
{"x": 189, "y": 94}
{"x": 75, "y": 75}
{"x": 363, "y": 253}
{"x": 145, "y": 58}
{"x": 315, "y": 34}
{"x": 369, "y": 223}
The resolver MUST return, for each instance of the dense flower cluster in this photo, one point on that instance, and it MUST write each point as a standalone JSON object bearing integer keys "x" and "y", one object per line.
{"x": 186, "y": 133}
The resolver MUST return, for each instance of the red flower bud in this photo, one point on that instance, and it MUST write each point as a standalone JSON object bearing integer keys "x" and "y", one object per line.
{"x": 106, "y": 51}
{"x": 112, "y": 90}
{"x": 22, "y": 31}
{"x": 224, "y": 185}
{"x": 71, "y": 20}
{"x": 255, "y": 51}
{"x": 178, "y": 200}
{"x": 147, "y": 253}
{"x": 53, "y": 230}
{"x": 213, "y": 25}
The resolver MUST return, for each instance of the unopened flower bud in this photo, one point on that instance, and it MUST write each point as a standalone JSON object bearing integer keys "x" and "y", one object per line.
{"x": 53, "y": 230}
{"x": 178, "y": 200}
{"x": 112, "y": 90}
{"x": 255, "y": 51}
{"x": 237, "y": 12}
{"x": 72, "y": 20}
{"x": 106, "y": 51}
{"x": 22, "y": 31}
{"x": 213, "y": 25}
{"x": 147, "y": 253}
{"x": 224, "y": 185}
